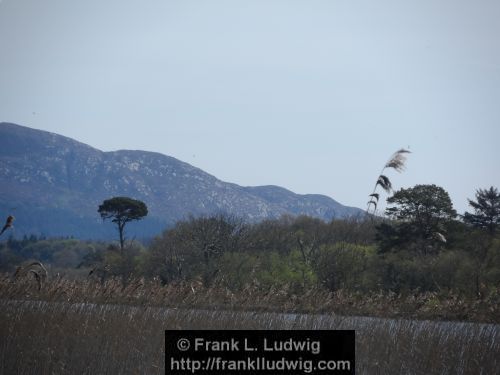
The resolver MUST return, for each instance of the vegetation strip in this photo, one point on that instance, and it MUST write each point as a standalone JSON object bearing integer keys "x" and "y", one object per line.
{"x": 47, "y": 337}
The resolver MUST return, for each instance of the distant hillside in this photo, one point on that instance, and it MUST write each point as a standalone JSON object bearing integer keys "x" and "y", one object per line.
{"x": 54, "y": 184}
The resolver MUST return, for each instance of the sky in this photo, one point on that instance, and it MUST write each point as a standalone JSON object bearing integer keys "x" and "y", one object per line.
{"x": 311, "y": 95}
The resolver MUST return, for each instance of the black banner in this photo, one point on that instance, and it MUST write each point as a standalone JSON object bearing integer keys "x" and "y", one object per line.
{"x": 259, "y": 352}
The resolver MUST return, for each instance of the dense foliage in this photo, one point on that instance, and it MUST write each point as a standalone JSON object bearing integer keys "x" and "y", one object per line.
{"x": 420, "y": 247}
{"x": 486, "y": 210}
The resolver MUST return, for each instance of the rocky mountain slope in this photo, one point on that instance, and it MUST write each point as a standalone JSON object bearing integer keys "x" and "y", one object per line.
{"x": 54, "y": 184}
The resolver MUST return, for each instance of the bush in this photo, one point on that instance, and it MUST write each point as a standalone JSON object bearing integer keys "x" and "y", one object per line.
{"x": 347, "y": 266}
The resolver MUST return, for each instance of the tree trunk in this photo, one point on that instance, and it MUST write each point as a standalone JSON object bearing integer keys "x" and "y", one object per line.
{"x": 121, "y": 226}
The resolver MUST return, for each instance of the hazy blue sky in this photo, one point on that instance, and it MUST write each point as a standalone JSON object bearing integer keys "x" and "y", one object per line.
{"x": 310, "y": 95}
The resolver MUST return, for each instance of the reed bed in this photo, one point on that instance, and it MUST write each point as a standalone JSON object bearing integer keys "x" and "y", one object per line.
{"x": 115, "y": 327}
{"x": 40, "y": 337}
{"x": 141, "y": 292}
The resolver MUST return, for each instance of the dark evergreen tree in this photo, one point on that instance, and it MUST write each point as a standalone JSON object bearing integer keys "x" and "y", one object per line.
{"x": 486, "y": 210}
{"x": 121, "y": 210}
{"x": 420, "y": 216}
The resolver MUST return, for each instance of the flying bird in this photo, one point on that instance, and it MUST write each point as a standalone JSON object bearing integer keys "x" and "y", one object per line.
{"x": 8, "y": 224}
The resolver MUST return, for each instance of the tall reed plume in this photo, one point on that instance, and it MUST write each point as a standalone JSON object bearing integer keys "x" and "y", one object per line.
{"x": 396, "y": 162}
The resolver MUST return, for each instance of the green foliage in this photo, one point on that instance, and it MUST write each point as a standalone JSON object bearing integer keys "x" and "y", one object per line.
{"x": 127, "y": 263}
{"x": 238, "y": 270}
{"x": 340, "y": 255}
{"x": 276, "y": 270}
{"x": 297, "y": 254}
{"x": 420, "y": 218}
{"x": 404, "y": 272}
{"x": 347, "y": 266}
{"x": 424, "y": 205}
{"x": 9, "y": 259}
{"x": 59, "y": 254}
{"x": 273, "y": 235}
{"x": 122, "y": 210}
{"x": 486, "y": 210}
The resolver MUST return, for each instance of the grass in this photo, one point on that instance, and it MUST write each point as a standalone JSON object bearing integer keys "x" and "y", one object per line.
{"x": 141, "y": 292}
{"x": 84, "y": 327}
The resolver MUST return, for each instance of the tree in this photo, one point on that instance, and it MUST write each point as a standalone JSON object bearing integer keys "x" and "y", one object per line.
{"x": 481, "y": 243}
{"x": 486, "y": 210}
{"x": 193, "y": 248}
{"x": 121, "y": 210}
{"x": 421, "y": 214}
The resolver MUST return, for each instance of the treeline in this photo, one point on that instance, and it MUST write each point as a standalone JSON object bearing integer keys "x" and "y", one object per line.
{"x": 421, "y": 245}
{"x": 61, "y": 254}
{"x": 302, "y": 252}
{"x": 223, "y": 249}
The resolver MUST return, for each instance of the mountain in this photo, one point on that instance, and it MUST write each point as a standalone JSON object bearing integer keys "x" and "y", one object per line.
{"x": 54, "y": 184}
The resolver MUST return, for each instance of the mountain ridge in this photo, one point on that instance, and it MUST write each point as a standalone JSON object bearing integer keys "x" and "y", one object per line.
{"x": 45, "y": 175}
